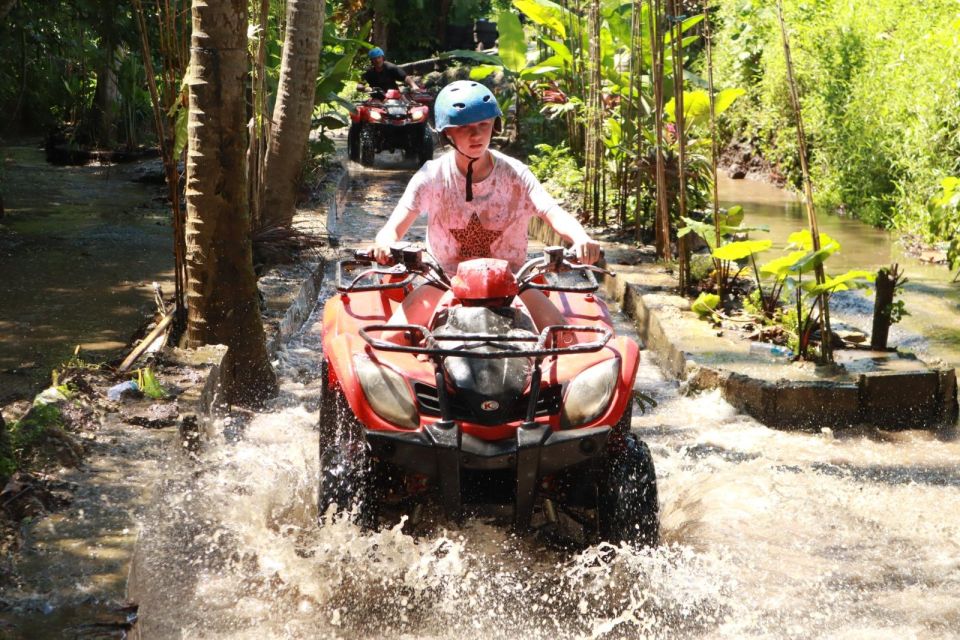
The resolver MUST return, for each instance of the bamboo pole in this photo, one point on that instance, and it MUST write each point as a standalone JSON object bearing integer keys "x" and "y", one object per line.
{"x": 166, "y": 142}
{"x": 826, "y": 350}
{"x": 676, "y": 41}
{"x": 638, "y": 47}
{"x": 663, "y": 247}
{"x": 714, "y": 152}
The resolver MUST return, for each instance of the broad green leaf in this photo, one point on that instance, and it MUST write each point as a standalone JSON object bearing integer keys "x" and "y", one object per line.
{"x": 532, "y": 73}
{"x": 741, "y": 249}
{"x": 733, "y": 217}
{"x": 544, "y": 13}
{"x": 560, "y": 49}
{"x": 855, "y": 279}
{"x": 705, "y": 303}
{"x": 478, "y": 56}
{"x": 511, "y": 44}
{"x": 696, "y": 106}
{"x": 813, "y": 259}
{"x": 180, "y": 130}
{"x": 804, "y": 240}
{"x": 481, "y": 71}
{"x": 780, "y": 267}
{"x": 723, "y": 100}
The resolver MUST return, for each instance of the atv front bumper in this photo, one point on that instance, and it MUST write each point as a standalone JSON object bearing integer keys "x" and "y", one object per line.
{"x": 439, "y": 451}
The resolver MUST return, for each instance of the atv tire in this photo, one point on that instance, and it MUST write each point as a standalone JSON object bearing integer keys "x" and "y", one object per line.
{"x": 627, "y": 505}
{"x": 368, "y": 147}
{"x": 353, "y": 142}
{"x": 346, "y": 470}
{"x": 425, "y": 152}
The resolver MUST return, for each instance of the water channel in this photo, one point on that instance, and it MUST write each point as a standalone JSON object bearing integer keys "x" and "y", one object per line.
{"x": 766, "y": 534}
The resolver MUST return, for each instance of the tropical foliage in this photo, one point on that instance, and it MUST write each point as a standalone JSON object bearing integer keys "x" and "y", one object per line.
{"x": 878, "y": 83}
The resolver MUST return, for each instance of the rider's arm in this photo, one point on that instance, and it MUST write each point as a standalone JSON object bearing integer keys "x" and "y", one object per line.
{"x": 412, "y": 83}
{"x": 402, "y": 217}
{"x": 586, "y": 248}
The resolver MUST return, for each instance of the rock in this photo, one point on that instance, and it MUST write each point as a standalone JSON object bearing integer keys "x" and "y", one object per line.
{"x": 155, "y": 416}
{"x": 738, "y": 174}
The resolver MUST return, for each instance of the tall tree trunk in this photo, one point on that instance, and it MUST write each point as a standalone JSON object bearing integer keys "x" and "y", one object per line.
{"x": 106, "y": 95}
{"x": 294, "y": 107}
{"x": 222, "y": 297}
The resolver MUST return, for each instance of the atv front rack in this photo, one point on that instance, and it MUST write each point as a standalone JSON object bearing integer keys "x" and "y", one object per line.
{"x": 432, "y": 347}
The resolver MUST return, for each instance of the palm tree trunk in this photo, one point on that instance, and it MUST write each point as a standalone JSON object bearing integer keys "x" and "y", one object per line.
{"x": 294, "y": 107}
{"x": 222, "y": 297}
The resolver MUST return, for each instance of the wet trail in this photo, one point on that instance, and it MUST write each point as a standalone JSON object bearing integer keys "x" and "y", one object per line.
{"x": 766, "y": 534}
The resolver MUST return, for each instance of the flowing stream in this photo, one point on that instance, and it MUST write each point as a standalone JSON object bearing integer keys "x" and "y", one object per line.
{"x": 766, "y": 534}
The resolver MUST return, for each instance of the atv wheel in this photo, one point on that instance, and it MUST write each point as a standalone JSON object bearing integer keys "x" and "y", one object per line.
{"x": 346, "y": 470}
{"x": 627, "y": 507}
{"x": 368, "y": 147}
{"x": 425, "y": 152}
{"x": 353, "y": 142}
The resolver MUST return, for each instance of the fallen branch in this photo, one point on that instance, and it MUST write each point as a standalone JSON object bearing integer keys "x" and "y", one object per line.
{"x": 146, "y": 342}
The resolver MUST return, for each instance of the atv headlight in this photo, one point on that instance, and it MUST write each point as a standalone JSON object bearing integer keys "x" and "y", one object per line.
{"x": 589, "y": 394}
{"x": 387, "y": 393}
{"x": 376, "y": 116}
{"x": 417, "y": 115}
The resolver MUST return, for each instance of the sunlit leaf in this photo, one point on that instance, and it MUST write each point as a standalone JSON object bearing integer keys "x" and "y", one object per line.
{"x": 780, "y": 267}
{"x": 804, "y": 240}
{"x": 560, "y": 49}
{"x": 481, "y": 71}
{"x": 705, "y": 304}
{"x": 511, "y": 44}
{"x": 855, "y": 279}
{"x": 180, "y": 130}
{"x": 813, "y": 259}
{"x": 544, "y": 13}
{"x": 741, "y": 249}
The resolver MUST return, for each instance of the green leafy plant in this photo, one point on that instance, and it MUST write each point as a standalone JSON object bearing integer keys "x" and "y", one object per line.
{"x": 149, "y": 385}
{"x": 705, "y": 305}
{"x": 945, "y": 218}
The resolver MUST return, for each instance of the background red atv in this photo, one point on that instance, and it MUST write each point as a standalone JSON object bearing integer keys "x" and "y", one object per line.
{"x": 480, "y": 410}
{"x": 391, "y": 121}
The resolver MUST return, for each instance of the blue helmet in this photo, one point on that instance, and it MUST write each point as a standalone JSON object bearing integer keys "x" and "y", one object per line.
{"x": 464, "y": 102}
{"x": 376, "y": 52}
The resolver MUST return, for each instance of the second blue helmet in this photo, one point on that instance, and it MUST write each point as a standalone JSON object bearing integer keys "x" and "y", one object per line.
{"x": 376, "y": 52}
{"x": 464, "y": 102}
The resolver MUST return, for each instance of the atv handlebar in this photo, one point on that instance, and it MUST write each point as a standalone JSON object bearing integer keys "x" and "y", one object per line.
{"x": 411, "y": 260}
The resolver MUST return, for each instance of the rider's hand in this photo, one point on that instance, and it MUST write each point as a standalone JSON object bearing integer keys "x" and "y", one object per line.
{"x": 381, "y": 253}
{"x": 587, "y": 250}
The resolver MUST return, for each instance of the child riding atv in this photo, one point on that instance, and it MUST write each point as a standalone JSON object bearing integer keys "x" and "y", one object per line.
{"x": 478, "y": 201}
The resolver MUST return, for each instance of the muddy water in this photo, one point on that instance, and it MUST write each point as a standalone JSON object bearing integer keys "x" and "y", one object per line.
{"x": 79, "y": 248}
{"x": 766, "y": 534}
{"x": 933, "y": 300}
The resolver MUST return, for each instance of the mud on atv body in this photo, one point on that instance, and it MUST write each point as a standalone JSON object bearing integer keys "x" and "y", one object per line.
{"x": 391, "y": 121}
{"x": 480, "y": 410}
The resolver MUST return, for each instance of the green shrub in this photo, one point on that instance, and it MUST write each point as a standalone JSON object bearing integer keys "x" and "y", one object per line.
{"x": 558, "y": 170}
{"x": 879, "y": 91}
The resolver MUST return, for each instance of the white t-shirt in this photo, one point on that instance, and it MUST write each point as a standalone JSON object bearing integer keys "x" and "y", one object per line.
{"x": 492, "y": 225}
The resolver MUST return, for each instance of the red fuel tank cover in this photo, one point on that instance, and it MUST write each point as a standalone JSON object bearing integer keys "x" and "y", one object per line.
{"x": 484, "y": 278}
{"x": 392, "y": 94}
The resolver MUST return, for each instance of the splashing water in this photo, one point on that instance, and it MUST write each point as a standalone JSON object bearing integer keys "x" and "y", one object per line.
{"x": 766, "y": 534}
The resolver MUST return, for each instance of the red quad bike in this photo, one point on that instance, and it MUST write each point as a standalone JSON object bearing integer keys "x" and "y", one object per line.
{"x": 481, "y": 410}
{"x": 390, "y": 121}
